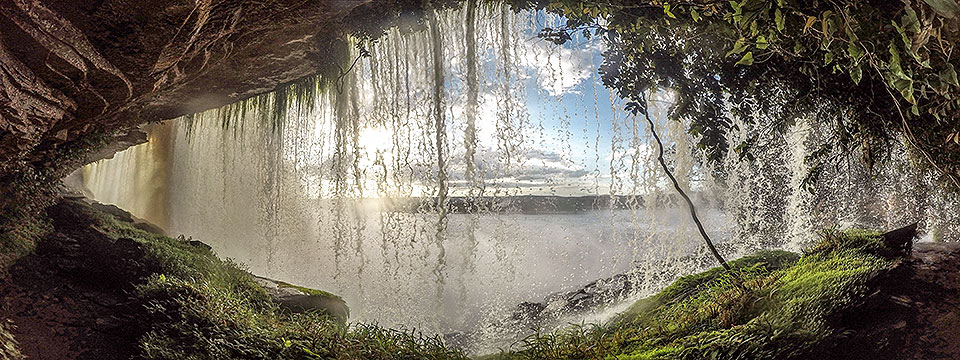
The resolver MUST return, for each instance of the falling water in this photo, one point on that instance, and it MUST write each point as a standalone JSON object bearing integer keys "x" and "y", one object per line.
{"x": 139, "y": 178}
{"x": 401, "y": 184}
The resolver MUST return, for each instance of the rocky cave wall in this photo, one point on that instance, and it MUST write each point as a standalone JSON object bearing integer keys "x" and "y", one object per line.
{"x": 75, "y": 74}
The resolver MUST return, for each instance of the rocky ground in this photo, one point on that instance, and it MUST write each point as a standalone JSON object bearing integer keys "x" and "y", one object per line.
{"x": 72, "y": 298}
{"x": 913, "y": 313}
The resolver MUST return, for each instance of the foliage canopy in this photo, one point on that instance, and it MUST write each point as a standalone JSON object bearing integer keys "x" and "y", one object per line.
{"x": 866, "y": 72}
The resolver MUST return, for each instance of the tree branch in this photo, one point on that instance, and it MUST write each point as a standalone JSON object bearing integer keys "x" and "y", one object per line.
{"x": 676, "y": 185}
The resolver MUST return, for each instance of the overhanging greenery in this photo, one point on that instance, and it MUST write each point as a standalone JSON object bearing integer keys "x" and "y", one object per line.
{"x": 866, "y": 72}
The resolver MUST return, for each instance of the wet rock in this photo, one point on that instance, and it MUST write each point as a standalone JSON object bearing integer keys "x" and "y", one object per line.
{"x": 195, "y": 243}
{"x": 458, "y": 339}
{"x": 131, "y": 62}
{"x": 528, "y": 313}
{"x": 116, "y": 144}
{"x": 106, "y": 300}
{"x": 589, "y": 297}
{"x": 900, "y": 241}
{"x": 199, "y": 244}
{"x": 298, "y": 299}
{"x": 118, "y": 213}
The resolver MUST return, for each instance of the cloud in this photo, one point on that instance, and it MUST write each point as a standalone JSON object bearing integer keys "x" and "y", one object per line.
{"x": 542, "y": 164}
{"x": 533, "y": 167}
{"x": 558, "y": 69}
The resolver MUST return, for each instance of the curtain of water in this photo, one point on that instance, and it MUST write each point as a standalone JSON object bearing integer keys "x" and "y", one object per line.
{"x": 402, "y": 187}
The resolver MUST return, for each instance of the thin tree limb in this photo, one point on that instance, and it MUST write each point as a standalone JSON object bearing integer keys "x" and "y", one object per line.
{"x": 676, "y": 185}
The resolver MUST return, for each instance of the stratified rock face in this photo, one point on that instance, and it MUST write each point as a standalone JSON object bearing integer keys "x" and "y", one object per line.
{"x": 70, "y": 68}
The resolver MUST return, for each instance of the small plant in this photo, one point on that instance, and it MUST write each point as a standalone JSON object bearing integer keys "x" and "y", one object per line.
{"x": 21, "y": 237}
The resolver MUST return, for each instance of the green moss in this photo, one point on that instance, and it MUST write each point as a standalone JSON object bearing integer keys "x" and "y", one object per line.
{"x": 690, "y": 285}
{"x": 659, "y": 353}
{"x": 854, "y": 239}
{"x": 309, "y": 291}
{"x": 201, "y": 307}
{"x": 772, "y": 305}
{"x": 179, "y": 259}
{"x": 22, "y": 237}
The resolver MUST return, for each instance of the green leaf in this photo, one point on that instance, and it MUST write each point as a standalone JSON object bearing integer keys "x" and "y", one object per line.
{"x": 735, "y": 5}
{"x": 828, "y": 58}
{"x": 949, "y": 75}
{"x": 778, "y": 17}
{"x": 827, "y": 25}
{"x": 311, "y": 353}
{"x": 747, "y": 59}
{"x": 856, "y": 74}
{"x": 738, "y": 47}
{"x": 762, "y": 42}
{"x": 946, "y": 8}
{"x": 666, "y": 10}
{"x": 695, "y": 15}
{"x": 810, "y": 21}
{"x": 909, "y": 21}
{"x": 905, "y": 87}
{"x": 855, "y": 51}
{"x": 895, "y": 67}
{"x": 903, "y": 34}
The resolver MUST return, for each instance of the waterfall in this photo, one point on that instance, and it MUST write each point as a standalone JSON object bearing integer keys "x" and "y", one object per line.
{"x": 407, "y": 184}
{"x": 138, "y": 178}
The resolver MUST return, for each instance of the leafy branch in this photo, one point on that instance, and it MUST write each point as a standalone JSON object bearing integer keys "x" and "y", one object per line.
{"x": 869, "y": 70}
{"x": 362, "y": 52}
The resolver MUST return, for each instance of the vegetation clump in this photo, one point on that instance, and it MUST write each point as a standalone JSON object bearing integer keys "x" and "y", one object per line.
{"x": 309, "y": 291}
{"x": 8, "y": 345}
{"x": 20, "y": 238}
{"x": 198, "y": 306}
{"x": 771, "y": 305}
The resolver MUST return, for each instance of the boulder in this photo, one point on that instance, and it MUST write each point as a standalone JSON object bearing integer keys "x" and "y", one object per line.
{"x": 298, "y": 299}
{"x": 900, "y": 241}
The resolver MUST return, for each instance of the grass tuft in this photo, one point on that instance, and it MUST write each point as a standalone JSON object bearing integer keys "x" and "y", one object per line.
{"x": 9, "y": 349}
{"x": 21, "y": 238}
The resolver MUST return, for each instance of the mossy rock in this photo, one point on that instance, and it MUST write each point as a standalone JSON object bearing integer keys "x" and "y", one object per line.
{"x": 299, "y": 299}
{"x": 770, "y": 305}
{"x": 690, "y": 285}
